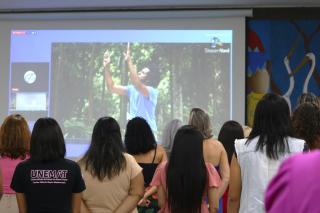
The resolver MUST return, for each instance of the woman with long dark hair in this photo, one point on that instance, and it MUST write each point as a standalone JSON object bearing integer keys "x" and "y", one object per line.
{"x": 185, "y": 181}
{"x": 47, "y": 182}
{"x": 14, "y": 148}
{"x": 257, "y": 158}
{"x": 168, "y": 134}
{"x": 229, "y": 132}
{"x": 141, "y": 144}
{"x": 113, "y": 178}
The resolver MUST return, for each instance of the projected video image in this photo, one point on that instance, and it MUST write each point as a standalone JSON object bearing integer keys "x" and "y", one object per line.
{"x": 77, "y": 76}
{"x": 177, "y": 77}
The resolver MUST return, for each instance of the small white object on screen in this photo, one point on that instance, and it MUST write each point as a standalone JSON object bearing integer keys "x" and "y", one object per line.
{"x": 30, "y": 77}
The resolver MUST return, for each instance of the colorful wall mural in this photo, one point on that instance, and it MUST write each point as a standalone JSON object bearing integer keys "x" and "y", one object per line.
{"x": 282, "y": 58}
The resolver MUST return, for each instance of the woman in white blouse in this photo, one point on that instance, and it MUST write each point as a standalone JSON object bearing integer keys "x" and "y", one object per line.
{"x": 257, "y": 158}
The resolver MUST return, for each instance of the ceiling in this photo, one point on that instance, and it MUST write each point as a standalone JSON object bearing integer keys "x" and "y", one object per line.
{"x": 7, "y": 6}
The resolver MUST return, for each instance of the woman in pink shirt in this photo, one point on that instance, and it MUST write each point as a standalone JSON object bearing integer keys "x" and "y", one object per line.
{"x": 1, "y": 184}
{"x": 184, "y": 183}
{"x": 296, "y": 186}
{"x": 14, "y": 148}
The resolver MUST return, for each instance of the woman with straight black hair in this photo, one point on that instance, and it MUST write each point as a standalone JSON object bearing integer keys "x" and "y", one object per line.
{"x": 113, "y": 178}
{"x": 229, "y": 132}
{"x": 139, "y": 138}
{"x": 258, "y": 158}
{"x": 47, "y": 182}
{"x": 186, "y": 180}
{"x": 141, "y": 144}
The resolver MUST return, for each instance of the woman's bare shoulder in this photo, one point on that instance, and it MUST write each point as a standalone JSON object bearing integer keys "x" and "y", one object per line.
{"x": 213, "y": 143}
{"x": 161, "y": 151}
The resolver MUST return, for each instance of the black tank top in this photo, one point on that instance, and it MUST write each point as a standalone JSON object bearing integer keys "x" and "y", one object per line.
{"x": 148, "y": 170}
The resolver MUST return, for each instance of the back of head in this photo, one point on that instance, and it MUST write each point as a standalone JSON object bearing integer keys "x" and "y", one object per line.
{"x": 139, "y": 138}
{"x": 306, "y": 124}
{"x": 308, "y": 98}
{"x": 168, "y": 134}
{"x": 105, "y": 154}
{"x": 14, "y": 137}
{"x": 272, "y": 123}
{"x": 230, "y": 131}
{"x": 201, "y": 120}
{"x": 186, "y": 171}
{"x": 47, "y": 142}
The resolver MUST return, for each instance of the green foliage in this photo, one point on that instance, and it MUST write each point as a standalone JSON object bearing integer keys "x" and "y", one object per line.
{"x": 189, "y": 78}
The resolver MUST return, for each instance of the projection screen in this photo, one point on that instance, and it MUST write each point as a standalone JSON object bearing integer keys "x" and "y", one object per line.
{"x": 53, "y": 65}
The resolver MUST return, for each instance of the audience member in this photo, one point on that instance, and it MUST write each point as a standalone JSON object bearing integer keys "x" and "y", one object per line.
{"x": 185, "y": 181}
{"x": 229, "y": 132}
{"x": 246, "y": 131}
{"x": 306, "y": 124}
{"x": 167, "y": 141}
{"x": 1, "y": 183}
{"x": 140, "y": 142}
{"x": 47, "y": 182}
{"x": 168, "y": 134}
{"x": 213, "y": 150}
{"x": 113, "y": 178}
{"x": 308, "y": 98}
{"x": 296, "y": 186}
{"x": 14, "y": 148}
{"x": 257, "y": 158}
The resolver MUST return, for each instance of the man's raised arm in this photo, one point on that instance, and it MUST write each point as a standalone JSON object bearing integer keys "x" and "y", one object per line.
{"x": 136, "y": 81}
{"x": 121, "y": 90}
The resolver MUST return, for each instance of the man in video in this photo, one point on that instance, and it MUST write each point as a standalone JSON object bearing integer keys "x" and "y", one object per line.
{"x": 142, "y": 93}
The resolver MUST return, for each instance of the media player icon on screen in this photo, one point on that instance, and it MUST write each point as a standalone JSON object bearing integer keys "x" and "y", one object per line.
{"x": 30, "y": 77}
{"x": 215, "y": 42}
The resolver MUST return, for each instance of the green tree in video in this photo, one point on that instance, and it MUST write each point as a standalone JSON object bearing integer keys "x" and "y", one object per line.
{"x": 79, "y": 96}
